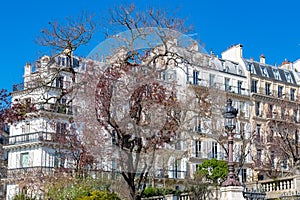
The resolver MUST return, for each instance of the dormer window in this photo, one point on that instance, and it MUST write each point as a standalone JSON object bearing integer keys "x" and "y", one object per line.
{"x": 288, "y": 77}
{"x": 252, "y": 69}
{"x": 264, "y": 71}
{"x": 276, "y": 74}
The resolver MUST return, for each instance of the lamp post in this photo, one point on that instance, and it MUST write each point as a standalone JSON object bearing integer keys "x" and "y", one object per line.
{"x": 229, "y": 115}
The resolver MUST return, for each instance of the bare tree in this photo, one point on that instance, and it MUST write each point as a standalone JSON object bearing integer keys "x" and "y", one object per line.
{"x": 66, "y": 38}
{"x": 280, "y": 133}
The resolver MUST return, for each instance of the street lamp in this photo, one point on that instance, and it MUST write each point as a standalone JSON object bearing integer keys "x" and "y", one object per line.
{"x": 229, "y": 115}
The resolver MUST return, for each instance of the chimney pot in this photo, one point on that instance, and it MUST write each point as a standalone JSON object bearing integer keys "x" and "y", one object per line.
{"x": 262, "y": 59}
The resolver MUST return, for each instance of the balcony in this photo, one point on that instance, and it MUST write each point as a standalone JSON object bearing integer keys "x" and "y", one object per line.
{"x": 56, "y": 108}
{"x": 40, "y": 83}
{"x": 36, "y": 171}
{"x": 37, "y": 137}
{"x": 224, "y": 87}
{"x": 202, "y": 155}
{"x": 273, "y": 93}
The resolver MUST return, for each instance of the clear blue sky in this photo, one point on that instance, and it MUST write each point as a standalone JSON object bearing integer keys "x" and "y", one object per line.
{"x": 270, "y": 27}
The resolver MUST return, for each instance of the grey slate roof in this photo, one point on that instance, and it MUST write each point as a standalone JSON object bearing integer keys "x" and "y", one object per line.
{"x": 258, "y": 68}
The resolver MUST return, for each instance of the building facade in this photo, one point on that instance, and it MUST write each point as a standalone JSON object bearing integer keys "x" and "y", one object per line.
{"x": 267, "y": 98}
{"x": 39, "y": 145}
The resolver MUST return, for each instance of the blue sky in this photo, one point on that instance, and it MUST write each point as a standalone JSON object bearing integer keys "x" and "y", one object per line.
{"x": 266, "y": 26}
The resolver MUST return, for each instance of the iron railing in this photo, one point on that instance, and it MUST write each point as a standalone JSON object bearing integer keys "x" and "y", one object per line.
{"x": 40, "y": 136}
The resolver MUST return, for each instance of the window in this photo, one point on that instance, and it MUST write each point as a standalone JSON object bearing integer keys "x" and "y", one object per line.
{"x": 211, "y": 80}
{"x": 288, "y": 77}
{"x": 26, "y": 128}
{"x": 244, "y": 175}
{"x": 272, "y": 159}
{"x": 292, "y": 94}
{"x": 270, "y": 111}
{"x": 59, "y": 160}
{"x": 271, "y": 135}
{"x": 61, "y": 127}
{"x": 284, "y": 164}
{"x": 187, "y": 75}
{"x": 172, "y": 75}
{"x": 258, "y": 157}
{"x": 297, "y": 142}
{"x": 257, "y": 109}
{"x": 176, "y": 169}
{"x": 280, "y": 90}
{"x": 114, "y": 137}
{"x": 258, "y": 135}
{"x": 264, "y": 71}
{"x": 198, "y": 148}
{"x": 276, "y": 74}
{"x": 59, "y": 82}
{"x": 195, "y": 77}
{"x": 254, "y": 86}
{"x": 295, "y": 115}
{"x": 24, "y": 161}
{"x": 227, "y": 84}
{"x": 198, "y": 125}
{"x": 214, "y": 150}
{"x": 268, "y": 88}
{"x": 252, "y": 69}
{"x": 239, "y": 87}
{"x": 75, "y": 63}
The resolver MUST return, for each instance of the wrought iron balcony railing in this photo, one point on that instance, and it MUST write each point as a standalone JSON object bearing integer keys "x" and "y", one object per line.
{"x": 37, "y": 83}
{"x": 38, "y": 137}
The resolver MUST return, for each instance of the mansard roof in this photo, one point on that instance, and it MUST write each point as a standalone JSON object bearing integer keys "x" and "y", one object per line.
{"x": 226, "y": 66}
{"x": 270, "y": 72}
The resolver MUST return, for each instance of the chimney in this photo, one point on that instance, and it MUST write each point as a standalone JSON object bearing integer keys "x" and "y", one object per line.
{"x": 234, "y": 53}
{"x": 262, "y": 59}
{"x": 27, "y": 69}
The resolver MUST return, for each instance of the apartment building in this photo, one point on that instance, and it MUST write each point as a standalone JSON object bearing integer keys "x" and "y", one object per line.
{"x": 274, "y": 112}
{"x": 39, "y": 146}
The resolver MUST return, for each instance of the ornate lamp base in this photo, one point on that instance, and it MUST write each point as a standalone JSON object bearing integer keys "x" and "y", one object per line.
{"x": 231, "y": 181}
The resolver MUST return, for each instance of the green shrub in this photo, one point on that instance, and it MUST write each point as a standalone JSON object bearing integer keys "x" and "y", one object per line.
{"x": 100, "y": 195}
{"x": 23, "y": 197}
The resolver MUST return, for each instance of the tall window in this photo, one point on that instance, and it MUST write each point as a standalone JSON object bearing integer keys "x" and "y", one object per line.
{"x": 239, "y": 87}
{"x": 59, "y": 82}
{"x": 227, "y": 84}
{"x": 211, "y": 80}
{"x": 254, "y": 86}
{"x": 195, "y": 77}
{"x": 272, "y": 159}
{"x": 295, "y": 115}
{"x": 198, "y": 125}
{"x": 268, "y": 88}
{"x": 292, "y": 94}
{"x": 258, "y": 135}
{"x": 270, "y": 111}
{"x": 270, "y": 135}
{"x": 24, "y": 160}
{"x": 214, "y": 150}
{"x": 26, "y": 128}
{"x": 280, "y": 90}
{"x": 257, "y": 108}
{"x": 258, "y": 156}
{"x": 244, "y": 175}
{"x": 198, "y": 148}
